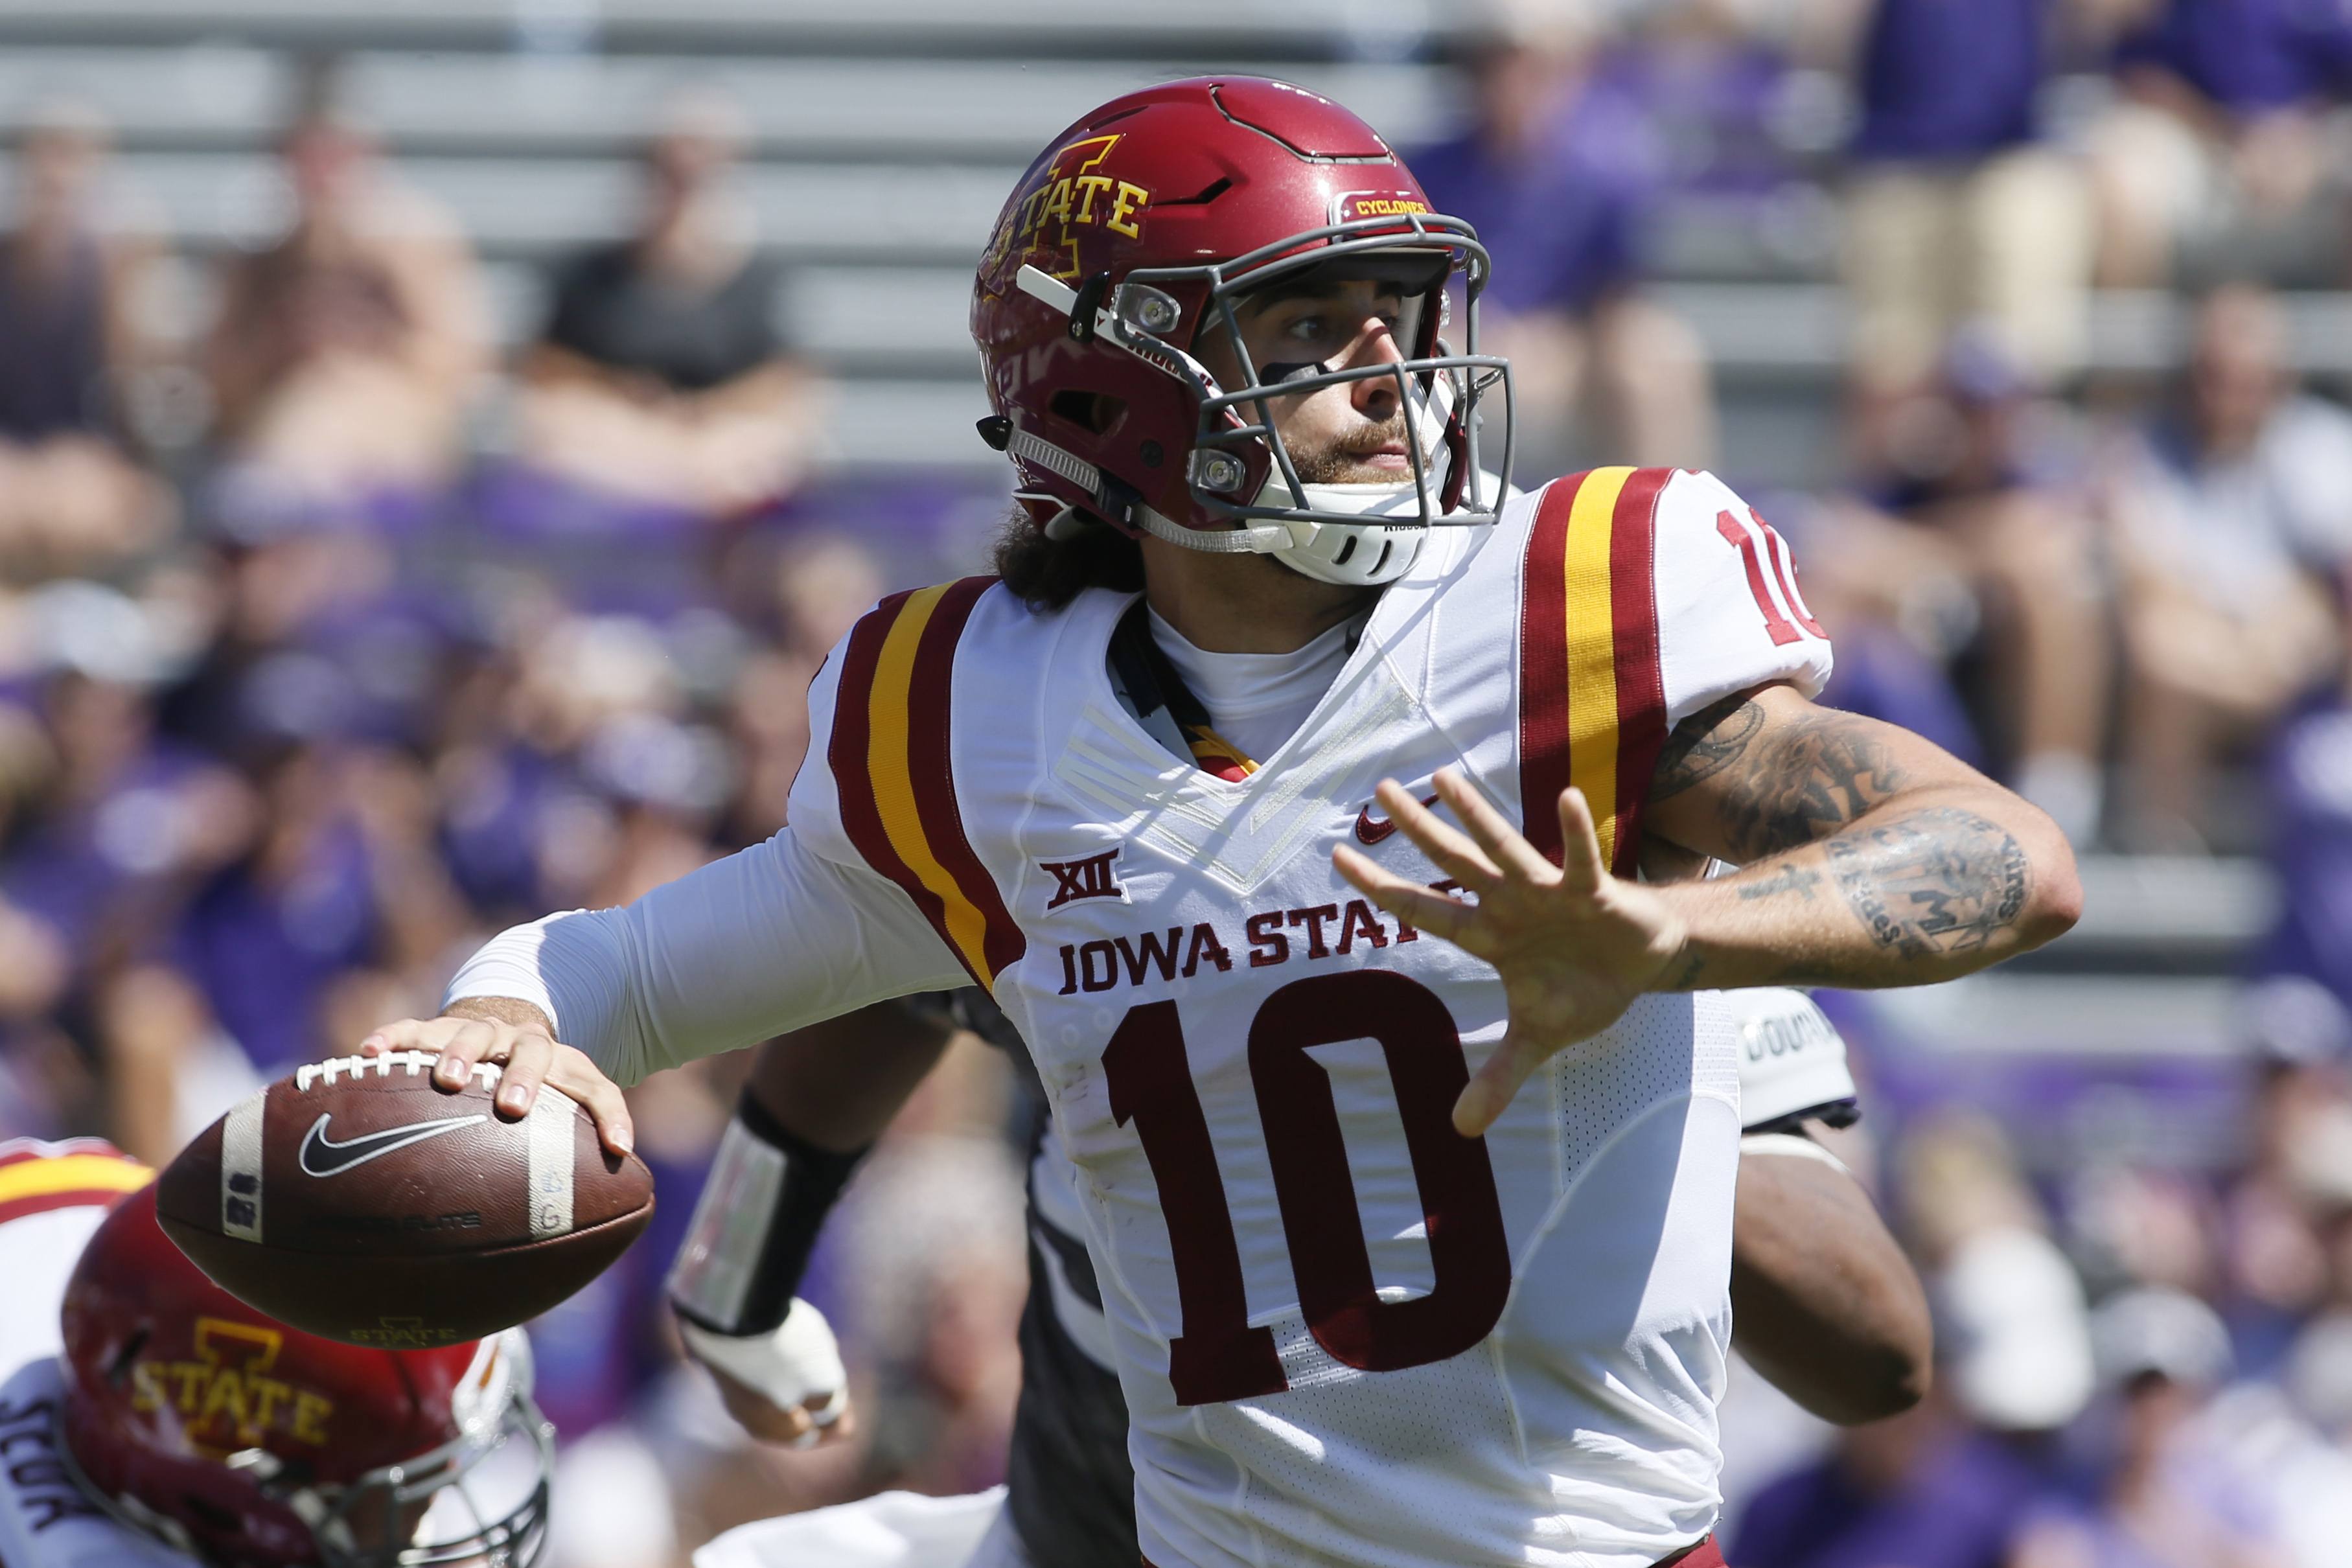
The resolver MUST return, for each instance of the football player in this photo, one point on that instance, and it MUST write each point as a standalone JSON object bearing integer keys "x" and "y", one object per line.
{"x": 1405, "y": 1142}
{"x": 1823, "y": 1300}
{"x": 148, "y": 1419}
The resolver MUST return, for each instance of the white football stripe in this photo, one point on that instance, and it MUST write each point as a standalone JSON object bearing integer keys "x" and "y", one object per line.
{"x": 551, "y": 1120}
{"x": 241, "y": 1168}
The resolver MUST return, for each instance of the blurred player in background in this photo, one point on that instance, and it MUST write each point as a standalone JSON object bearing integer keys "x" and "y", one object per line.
{"x": 1824, "y": 1301}
{"x": 1053, "y": 785}
{"x": 150, "y": 1420}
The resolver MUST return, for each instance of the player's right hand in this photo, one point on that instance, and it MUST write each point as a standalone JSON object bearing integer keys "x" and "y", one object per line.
{"x": 785, "y": 1387}
{"x": 529, "y": 1055}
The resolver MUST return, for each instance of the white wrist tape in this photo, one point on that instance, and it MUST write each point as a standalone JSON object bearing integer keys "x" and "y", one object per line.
{"x": 796, "y": 1365}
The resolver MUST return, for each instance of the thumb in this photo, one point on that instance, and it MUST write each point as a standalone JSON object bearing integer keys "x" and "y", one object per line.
{"x": 1490, "y": 1092}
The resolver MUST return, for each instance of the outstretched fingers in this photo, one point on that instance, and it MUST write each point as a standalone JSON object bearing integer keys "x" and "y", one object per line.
{"x": 1425, "y": 909}
{"x": 1500, "y": 842}
{"x": 1447, "y": 846}
{"x": 1582, "y": 870}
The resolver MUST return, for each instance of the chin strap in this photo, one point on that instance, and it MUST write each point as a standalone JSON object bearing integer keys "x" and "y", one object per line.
{"x": 1256, "y": 539}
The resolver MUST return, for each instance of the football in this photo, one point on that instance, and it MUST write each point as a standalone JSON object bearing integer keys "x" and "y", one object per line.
{"x": 355, "y": 1201}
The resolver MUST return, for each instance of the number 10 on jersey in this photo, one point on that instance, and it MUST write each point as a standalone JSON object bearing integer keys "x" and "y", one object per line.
{"x": 1218, "y": 1357}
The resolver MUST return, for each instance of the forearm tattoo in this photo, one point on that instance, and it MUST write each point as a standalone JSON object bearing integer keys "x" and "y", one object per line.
{"x": 1940, "y": 880}
{"x": 1794, "y": 879}
{"x": 1790, "y": 785}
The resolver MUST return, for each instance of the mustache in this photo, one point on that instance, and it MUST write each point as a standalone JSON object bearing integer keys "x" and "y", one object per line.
{"x": 1342, "y": 459}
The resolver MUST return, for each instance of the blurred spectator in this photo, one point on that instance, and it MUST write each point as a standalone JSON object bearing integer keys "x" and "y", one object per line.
{"x": 2009, "y": 1323}
{"x": 1553, "y": 173}
{"x": 2229, "y": 513}
{"x": 936, "y": 1243}
{"x": 1962, "y": 537}
{"x": 2298, "y": 1166}
{"x": 1956, "y": 210}
{"x": 1949, "y": 1483}
{"x": 2218, "y": 134}
{"x": 346, "y": 351}
{"x": 1922, "y": 1490}
{"x": 72, "y": 497}
{"x": 660, "y": 375}
{"x": 341, "y": 878}
{"x": 2310, "y": 819}
{"x": 2162, "y": 1491}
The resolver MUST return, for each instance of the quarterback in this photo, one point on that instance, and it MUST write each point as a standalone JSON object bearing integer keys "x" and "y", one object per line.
{"x": 1290, "y": 787}
{"x": 150, "y": 1420}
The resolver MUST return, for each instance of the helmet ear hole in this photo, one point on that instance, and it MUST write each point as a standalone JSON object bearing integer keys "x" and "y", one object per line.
{"x": 1093, "y": 412}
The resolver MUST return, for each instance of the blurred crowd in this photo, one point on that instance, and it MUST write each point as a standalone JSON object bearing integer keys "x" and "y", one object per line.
{"x": 335, "y": 634}
{"x": 2140, "y": 1364}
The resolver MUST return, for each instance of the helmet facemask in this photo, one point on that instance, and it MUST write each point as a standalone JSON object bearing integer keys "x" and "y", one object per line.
{"x": 1350, "y": 532}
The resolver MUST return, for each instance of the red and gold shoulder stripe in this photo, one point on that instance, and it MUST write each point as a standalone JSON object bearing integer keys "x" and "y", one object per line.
{"x": 1593, "y": 707}
{"x": 889, "y": 759}
{"x": 37, "y": 1177}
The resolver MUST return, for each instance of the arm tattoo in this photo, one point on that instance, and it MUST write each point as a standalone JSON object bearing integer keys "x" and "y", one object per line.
{"x": 1794, "y": 879}
{"x": 1705, "y": 743}
{"x": 1934, "y": 881}
{"x": 1803, "y": 782}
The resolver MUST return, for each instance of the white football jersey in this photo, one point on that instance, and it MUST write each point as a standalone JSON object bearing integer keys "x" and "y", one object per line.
{"x": 52, "y": 1197}
{"x": 1346, "y": 1334}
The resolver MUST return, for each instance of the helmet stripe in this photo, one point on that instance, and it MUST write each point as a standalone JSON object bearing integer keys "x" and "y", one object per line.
{"x": 64, "y": 1181}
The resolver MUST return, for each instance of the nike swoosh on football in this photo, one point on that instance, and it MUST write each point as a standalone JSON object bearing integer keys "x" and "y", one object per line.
{"x": 322, "y": 1156}
{"x": 1371, "y": 832}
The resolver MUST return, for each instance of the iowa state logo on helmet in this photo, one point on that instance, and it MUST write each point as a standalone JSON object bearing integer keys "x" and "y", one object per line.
{"x": 226, "y": 1396}
{"x": 1077, "y": 190}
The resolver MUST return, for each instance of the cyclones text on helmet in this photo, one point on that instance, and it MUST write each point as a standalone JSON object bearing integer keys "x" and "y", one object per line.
{"x": 1142, "y": 226}
{"x": 243, "y": 1442}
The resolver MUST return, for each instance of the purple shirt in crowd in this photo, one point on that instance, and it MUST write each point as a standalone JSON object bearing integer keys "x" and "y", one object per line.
{"x": 1958, "y": 1509}
{"x": 1948, "y": 78}
{"x": 2249, "y": 55}
{"x": 2311, "y": 817}
{"x": 1560, "y": 218}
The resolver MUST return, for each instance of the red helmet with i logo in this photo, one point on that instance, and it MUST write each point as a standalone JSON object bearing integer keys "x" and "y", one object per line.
{"x": 1136, "y": 231}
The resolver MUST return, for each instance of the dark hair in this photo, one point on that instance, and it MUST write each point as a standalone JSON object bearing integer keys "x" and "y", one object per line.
{"x": 1047, "y": 573}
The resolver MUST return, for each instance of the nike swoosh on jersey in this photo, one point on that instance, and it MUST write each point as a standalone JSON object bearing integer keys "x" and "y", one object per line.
{"x": 322, "y": 1156}
{"x": 1370, "y": 832}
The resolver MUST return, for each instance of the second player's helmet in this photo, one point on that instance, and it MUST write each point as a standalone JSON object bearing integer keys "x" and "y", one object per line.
{"x": 246, "y": 1444}
{"x": 1138, "y": 229}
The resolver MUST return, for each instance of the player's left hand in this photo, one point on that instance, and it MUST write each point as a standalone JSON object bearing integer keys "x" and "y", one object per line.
{"x": 784, "y": 1387}
{"x": 1574, "y": 945}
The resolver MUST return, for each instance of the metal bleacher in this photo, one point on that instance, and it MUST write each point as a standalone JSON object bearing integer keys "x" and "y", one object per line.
{"x": 884, "y": 136}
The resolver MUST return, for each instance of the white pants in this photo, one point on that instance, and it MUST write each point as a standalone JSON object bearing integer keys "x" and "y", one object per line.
{"x": 894, "y": 1530}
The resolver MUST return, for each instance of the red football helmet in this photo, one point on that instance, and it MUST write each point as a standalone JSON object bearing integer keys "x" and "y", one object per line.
{"x": 1142, "y": 225}
{"x": 249, "y": 1445}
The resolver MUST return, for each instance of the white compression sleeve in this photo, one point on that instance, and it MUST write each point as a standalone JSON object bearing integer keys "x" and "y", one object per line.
{"x": 762, "y": 943}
